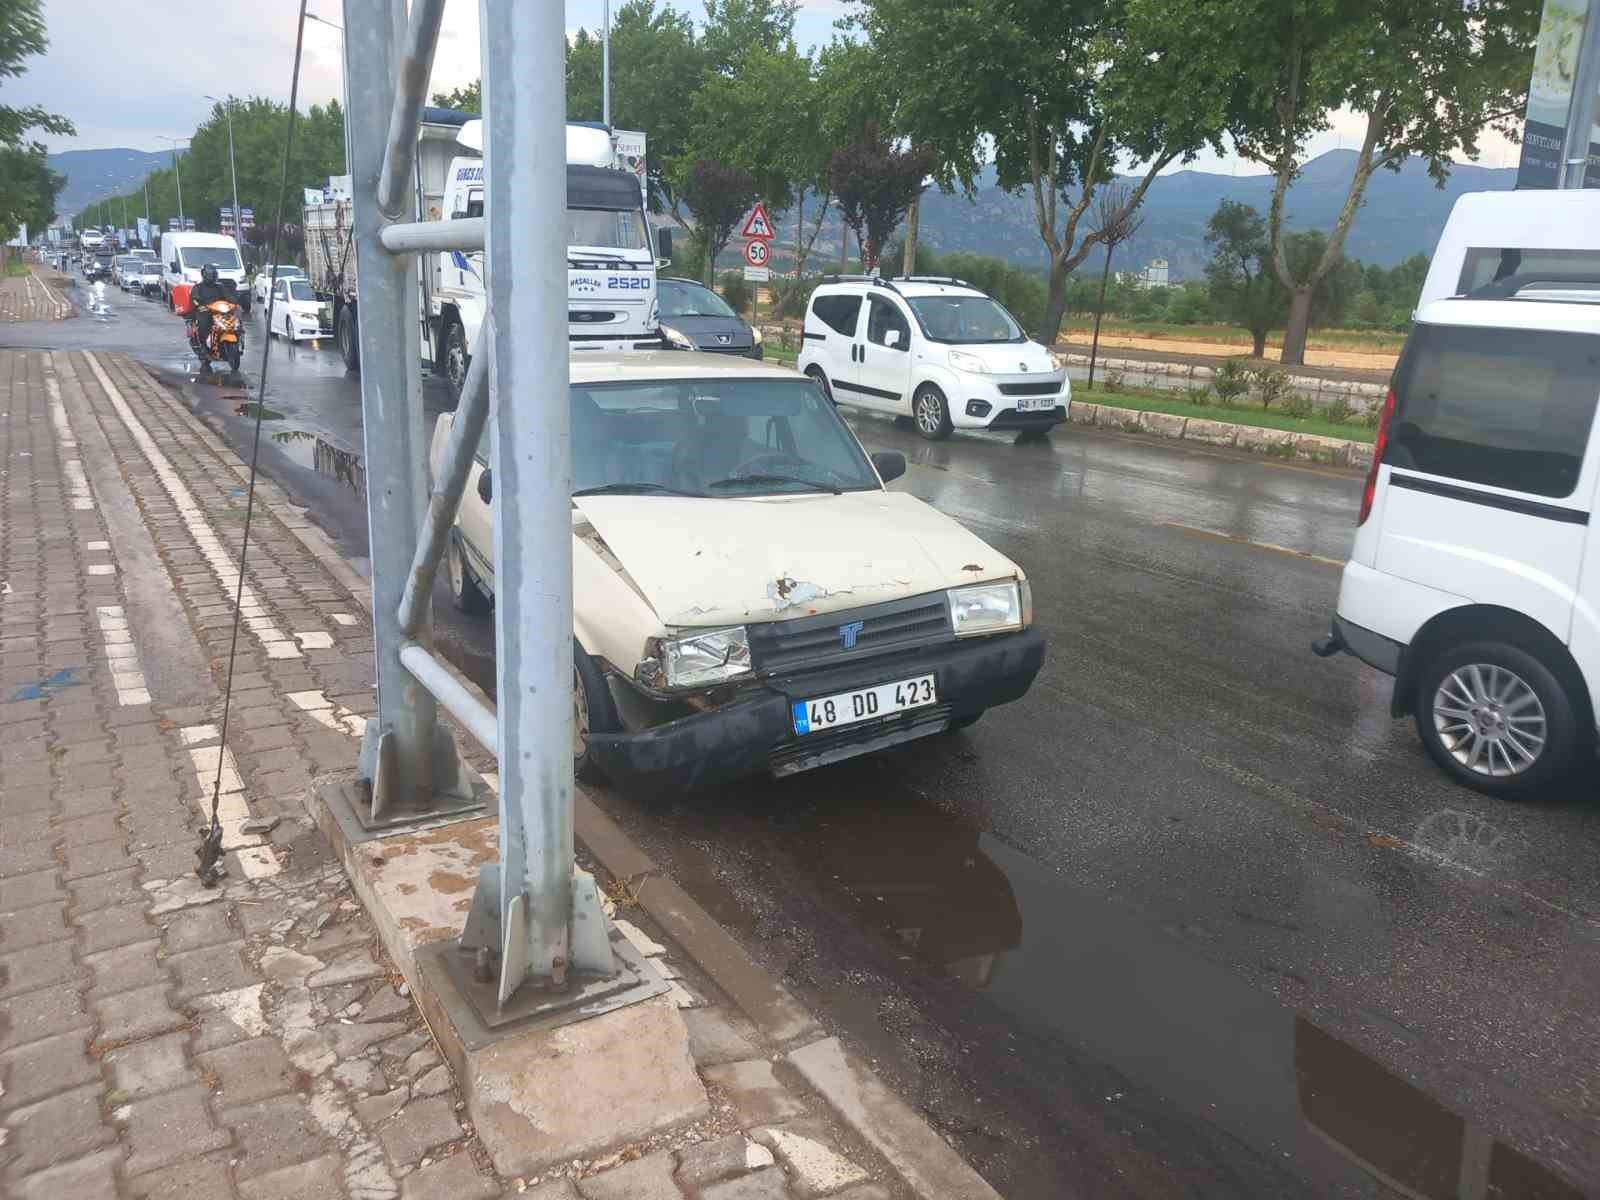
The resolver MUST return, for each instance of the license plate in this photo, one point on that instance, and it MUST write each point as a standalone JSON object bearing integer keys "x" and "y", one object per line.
{"x": 1035, "y": 403}
{"x": 863, "y": 704}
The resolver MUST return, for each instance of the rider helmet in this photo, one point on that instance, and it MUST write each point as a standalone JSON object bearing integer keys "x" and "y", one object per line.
{"x": 208, "y": 273}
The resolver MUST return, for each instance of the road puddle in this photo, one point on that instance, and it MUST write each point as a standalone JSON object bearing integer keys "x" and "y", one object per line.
{"x": 1098, "y": 978}
{"x": 318, "y": 454}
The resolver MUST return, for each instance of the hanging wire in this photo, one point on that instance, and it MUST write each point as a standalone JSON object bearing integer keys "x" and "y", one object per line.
{"x": 210, "y": 868}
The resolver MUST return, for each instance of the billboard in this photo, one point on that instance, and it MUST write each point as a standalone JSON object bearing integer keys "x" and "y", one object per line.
{"x": 1558, "y": 66}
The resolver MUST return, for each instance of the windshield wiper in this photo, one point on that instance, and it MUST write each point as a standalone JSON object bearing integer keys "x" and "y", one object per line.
{"x": 633, "y": 489}
{"x": 814, "y": 485}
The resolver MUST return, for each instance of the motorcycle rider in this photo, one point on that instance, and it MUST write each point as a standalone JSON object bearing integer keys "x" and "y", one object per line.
{"x": 206, "y": 292}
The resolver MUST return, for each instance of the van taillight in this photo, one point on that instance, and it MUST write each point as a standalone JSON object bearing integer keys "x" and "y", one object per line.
{"x": 1378, "y": 445}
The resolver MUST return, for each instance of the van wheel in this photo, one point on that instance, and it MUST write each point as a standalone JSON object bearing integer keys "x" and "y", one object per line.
{"x": 593, "y": 711}
{"x": 465, "y": 593}
{"x": 1497, "y": 719}
{"x": 815, "y": 374}
{"x": 349, "y": 342}
{"x": 931, "y": 412}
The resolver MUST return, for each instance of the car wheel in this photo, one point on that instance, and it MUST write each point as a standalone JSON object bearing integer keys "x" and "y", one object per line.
{"x": 593, "y": 711}
{"x": 288, "y": 329}
{"x": 349, "y": 342}
{"x": 1498, "y": 719}
{"x": 456, "y": 358}
{"x": 816, "y": 375}
{"x": 931, "y": 413}
{"x": 465, "y": 593}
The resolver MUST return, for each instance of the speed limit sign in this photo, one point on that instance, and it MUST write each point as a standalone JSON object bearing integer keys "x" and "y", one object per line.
{"x": 755, "y": 253}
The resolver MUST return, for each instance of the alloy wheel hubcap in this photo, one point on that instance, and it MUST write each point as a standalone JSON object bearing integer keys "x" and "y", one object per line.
{"x": 927, "y": 412}
{"x": 1489, "y": 719}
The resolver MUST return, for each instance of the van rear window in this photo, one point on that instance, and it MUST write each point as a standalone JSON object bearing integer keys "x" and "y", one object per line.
{"x": 1507, "y": 408}
{"x": 1485, "y": 265}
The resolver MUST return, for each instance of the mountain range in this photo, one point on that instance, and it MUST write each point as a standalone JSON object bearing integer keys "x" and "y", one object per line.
{"x": 97, "y": 174}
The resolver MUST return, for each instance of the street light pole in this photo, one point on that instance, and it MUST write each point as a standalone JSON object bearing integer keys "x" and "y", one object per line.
{"x": 177, "y": 173}
{"x": 238, "y": 220}
{"x": 605, "y": 67}
{"x": 345, "y": 76}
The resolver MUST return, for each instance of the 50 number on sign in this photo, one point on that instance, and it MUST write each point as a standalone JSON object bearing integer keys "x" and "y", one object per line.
{"x": 755, "y": 253}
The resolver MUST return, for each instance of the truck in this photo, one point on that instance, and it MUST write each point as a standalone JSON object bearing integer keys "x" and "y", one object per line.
{"x": 611, "y": 259}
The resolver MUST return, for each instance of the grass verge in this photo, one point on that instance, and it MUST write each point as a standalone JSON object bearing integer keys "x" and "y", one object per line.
{"x": 1149, "y": 400}
{"x": 15, "y": 267}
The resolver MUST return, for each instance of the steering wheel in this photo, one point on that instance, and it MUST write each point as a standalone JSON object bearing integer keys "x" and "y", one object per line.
{"x": 762, "y": 464}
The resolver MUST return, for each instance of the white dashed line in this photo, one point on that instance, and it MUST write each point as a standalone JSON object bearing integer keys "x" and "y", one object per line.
{"x": 127, "y": 676}
{"x": 343, "y": 619}
{"x": 78, "y": 485}
{"x": 255, "y": 856}
{"x": 97, "y": 545}
{"x": 101, "y": 569}
{"x": 325, "y": 712}
{"x": 273, "y": 640}
{"x": 58, "y": 411}
{"x": 315, "y": 641}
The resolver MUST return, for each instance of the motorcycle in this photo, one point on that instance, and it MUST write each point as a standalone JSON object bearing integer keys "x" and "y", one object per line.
{"x": 225, "y": 343}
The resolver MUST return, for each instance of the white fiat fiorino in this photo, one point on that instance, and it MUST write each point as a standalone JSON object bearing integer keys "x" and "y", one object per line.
{"x": 748, "y": 596}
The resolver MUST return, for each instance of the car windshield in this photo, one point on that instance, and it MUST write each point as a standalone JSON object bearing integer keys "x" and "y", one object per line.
{"x": 150, "y": 268}
{"x": 679, "y": 299}
{"x": 299, "y": 289}
{"x": 224, "y": 258}
{"x": 966, "y": 319}
{"x": 619, "y": 229}
{"x": 286, "y": 272}
{"x": 711, "y": 437}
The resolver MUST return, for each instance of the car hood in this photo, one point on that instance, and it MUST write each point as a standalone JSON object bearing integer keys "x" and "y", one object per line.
{"x": 708, "y": 332}
{"x": 710, "y": 562}
{"x": 1005, "y": 358}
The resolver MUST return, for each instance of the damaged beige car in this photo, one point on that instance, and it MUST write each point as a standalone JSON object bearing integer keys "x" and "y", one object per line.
{"x": 748, "y": 596}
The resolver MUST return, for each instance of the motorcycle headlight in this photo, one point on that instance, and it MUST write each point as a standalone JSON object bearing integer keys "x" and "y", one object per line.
{"x": 971, "y": 363}
{"x": 696, "y": 660}
{"x": 989, "y": 608}
{"x": 755, "y": 332}
{"x": 674, "y": 338}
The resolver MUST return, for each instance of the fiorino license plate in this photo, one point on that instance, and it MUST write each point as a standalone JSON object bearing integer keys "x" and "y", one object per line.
{"x": 1035, "y": 403}
{"x": 847, "y": 708}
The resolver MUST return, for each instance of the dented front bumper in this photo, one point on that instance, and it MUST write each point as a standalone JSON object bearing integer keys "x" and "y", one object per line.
{"x": 754, "y": 733}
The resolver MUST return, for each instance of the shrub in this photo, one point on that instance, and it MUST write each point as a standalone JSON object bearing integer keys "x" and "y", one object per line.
{"x": 1270, "y": 386}
{"x": 1297, "y": 404}
{"x": 1339, "y": 412}
{"x": 791, "y": 295}
{"x": 736, "y": 291}
{"x": 1113, "y": 380}
{"x": 1231, "y": 381}
{"x": 1197, "y": 394}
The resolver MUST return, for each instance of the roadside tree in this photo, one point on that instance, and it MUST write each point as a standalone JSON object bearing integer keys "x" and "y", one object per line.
{"x": 1115, "y": 222}
{"x": 1426, "y": 77}
{"x": 719, "y": 196}
{"x": 1239, "y": 277}
{"x": 875, "y": 181}
{"x": 28, "y": 188}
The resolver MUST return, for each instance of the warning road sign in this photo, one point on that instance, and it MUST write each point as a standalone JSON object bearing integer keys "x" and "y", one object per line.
{"x": 758, "y": 226}
{"x": 755, "y": 253}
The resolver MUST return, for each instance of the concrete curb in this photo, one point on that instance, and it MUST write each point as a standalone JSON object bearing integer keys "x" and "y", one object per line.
{"x": 1279, "y": 443}
{"x": 919, "y": 1155}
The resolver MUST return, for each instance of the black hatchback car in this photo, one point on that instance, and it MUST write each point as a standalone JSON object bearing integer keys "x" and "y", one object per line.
{"x": 693, "y": 317}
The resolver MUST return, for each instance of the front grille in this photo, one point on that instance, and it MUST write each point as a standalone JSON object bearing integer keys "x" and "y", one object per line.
{"x": 835, "y": 745}
{"x": 1045, "y": 387}
{"x": 804, "y": 642}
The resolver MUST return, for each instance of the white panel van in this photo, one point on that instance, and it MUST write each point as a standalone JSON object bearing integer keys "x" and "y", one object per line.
{"x": 184, "y": 254}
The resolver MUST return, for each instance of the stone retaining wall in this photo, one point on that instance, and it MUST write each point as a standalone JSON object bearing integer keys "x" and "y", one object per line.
{"x": 1281, "y": 443}
{"x": 1361, "y": 397}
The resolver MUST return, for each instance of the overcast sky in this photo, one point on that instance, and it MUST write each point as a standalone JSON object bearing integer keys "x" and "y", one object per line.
{"x": 114, "y": 71}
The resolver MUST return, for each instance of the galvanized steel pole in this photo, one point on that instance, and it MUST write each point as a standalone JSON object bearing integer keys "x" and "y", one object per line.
{"x": 524, "y": 48}
{"x": 399, "y": 750}
{"x": 1582, "y": 113}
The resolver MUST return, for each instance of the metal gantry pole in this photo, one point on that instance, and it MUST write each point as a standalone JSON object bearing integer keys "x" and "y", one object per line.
{"x": 524, "y": 92}
{"x": 404, "y": 755}
{"x": 1582, "y": 113}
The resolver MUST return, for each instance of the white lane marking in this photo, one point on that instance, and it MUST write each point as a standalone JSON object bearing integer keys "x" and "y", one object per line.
{"x": 58, "y": 411}
{"x": 78, "y": 485}
{"x": 59, "y": 306}
{"x": 325, "y": 712}
{"x": 127, "y": 676}
{"x": 255, "y": 856}
{"x": 315, "y": 641}
{"x": 97, "y": 545}
{"x": 273, "y": 640}
{"x": 343, "y": 619}
{"x": 1244, "y": 541}
{"x": 101, "y": 569}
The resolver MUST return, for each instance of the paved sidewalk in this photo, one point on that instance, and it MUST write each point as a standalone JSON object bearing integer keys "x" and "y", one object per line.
{"x": 254, "y": 1043}
{"x": 40, "y": 295}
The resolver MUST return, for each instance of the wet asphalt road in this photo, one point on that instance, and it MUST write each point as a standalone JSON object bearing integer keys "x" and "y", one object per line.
{"x": 1195, "y": 917}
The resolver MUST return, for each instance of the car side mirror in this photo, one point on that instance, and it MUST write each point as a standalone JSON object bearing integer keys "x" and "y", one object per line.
{"x": 486, "y": 486}
{"x": 891, "y": 339}
{"x": 891, "y": 464}
{"x": 664, "y": 244}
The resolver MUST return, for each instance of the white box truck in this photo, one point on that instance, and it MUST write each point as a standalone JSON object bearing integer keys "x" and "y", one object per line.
{"x": 611, "y": 251}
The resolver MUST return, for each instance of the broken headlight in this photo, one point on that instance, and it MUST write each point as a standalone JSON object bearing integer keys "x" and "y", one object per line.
{"x": 989, "y": 608}
{"x": 696, "y": 660}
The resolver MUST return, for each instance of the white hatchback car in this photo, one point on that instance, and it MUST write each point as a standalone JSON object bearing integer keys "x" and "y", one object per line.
{"x": 295, "y": 311}
{"x": 262, "y": 282}
{"x": 1475, "y": 575}
{"x": 934, "y": 349}
{"x": 748, "y": 597}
